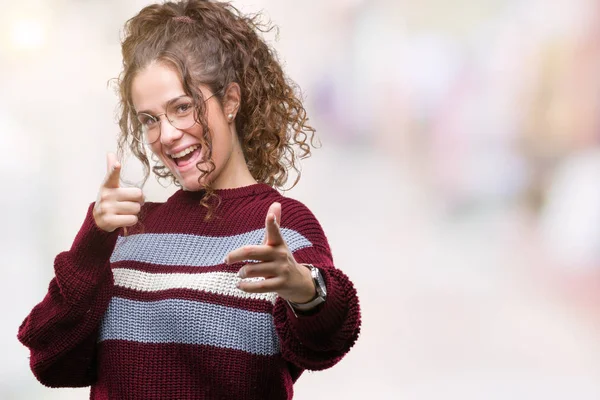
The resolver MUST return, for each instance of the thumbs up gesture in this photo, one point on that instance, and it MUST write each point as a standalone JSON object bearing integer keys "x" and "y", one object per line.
{"x": 283, "y": 275}
{"x": 116, "y": 207}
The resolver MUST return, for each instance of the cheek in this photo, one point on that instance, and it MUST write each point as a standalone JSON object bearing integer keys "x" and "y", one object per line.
{"x": 157, "y": 151}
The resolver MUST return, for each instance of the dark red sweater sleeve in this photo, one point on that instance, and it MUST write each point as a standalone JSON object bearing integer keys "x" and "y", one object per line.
{"x": 61, "y": 331}
{"x": 319, "y": 340}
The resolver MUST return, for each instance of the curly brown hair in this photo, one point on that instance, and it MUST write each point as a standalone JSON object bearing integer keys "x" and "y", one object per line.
{"x": 212, "y": 43}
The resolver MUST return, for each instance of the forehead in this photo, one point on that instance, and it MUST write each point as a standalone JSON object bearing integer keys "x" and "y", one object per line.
{"x": 153, "y": 86}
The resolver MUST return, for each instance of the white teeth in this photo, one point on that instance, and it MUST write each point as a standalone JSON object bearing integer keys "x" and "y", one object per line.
{"x": 185, "y": 152}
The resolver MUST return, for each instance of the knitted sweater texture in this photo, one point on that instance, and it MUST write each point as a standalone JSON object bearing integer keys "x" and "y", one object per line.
{"x": 156, "y": 314}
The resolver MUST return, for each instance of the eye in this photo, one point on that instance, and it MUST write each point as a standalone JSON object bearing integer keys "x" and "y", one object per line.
{"x": 147, "y": 121}
{"x": 180, "y": 108}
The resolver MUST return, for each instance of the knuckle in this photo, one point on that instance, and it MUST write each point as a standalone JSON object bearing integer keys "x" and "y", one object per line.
{"x": 109, "y": 209}
{"x": 281, "y": 252}
{"x": 101, "y": 208}
{"x": 138, "y": 194}
{"x": 104, "y": 196}
{"x": 103, "y": 223}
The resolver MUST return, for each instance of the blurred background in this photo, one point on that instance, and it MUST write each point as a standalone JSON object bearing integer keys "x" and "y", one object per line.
{"x": 457, "y": 182}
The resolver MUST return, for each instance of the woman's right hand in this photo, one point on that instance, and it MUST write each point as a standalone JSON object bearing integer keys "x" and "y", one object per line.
{"x": 116, "y": 207}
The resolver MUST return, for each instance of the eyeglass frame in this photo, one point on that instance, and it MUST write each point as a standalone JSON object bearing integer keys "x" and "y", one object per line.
{"x": 157, "y": 118}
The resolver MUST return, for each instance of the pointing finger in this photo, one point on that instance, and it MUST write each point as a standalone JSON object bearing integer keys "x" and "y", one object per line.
{"x": 113, "y": 173}
{"x": 273, "y": 234}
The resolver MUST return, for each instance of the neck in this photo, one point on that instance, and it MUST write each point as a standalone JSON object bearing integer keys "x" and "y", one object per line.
{"x": 236, "y": 173}
{"x": 235, "y": 180}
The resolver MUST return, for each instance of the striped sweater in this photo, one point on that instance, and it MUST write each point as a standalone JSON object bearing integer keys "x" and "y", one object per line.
{"x": 156, "y": 314}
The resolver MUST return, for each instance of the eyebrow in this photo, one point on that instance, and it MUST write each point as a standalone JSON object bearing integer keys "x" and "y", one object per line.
{"x": 163, "y": 106}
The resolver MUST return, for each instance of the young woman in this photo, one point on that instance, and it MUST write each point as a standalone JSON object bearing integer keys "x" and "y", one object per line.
{"x": 228, "y": 289}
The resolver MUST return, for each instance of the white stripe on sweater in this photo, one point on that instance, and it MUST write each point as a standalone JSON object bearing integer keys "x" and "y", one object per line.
{"x": 222, "y": 283}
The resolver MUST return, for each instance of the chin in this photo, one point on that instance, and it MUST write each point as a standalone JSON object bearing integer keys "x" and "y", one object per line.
{"x": 189, "y": 182}
{"x": 190, "y": 185}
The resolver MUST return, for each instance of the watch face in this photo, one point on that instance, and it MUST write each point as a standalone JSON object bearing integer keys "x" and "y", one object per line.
{"x": 321, "y": 289}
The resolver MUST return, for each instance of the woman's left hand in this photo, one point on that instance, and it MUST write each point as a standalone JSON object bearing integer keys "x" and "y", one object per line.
{"x": 283, "y": 275}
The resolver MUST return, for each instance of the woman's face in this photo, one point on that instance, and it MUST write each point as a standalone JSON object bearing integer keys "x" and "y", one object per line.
{"x": 180, "y": 149}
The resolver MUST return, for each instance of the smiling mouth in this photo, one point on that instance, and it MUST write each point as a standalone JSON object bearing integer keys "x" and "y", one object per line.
{"x": 186, "y": 156}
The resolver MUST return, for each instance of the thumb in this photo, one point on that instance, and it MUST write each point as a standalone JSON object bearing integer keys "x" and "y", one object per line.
{"x": 113, "y": 171}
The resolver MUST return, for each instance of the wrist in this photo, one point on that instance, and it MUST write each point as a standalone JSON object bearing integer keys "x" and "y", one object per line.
{"x": 319, "y": 293}
{"x": 308, "y": 291}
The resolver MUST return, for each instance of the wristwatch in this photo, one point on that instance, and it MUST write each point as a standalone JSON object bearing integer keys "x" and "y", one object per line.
{"x": 319, "y": 286}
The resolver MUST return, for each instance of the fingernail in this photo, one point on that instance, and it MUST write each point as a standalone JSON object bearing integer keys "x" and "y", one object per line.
{"x": 225, "y": 261}
{"x": 242, "y": 273}
{"x": 237, "y": 285}
{"x": 275, "y": 218}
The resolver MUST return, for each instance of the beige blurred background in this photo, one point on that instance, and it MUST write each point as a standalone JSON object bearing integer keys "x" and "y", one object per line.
{"x": 457, "y": 182}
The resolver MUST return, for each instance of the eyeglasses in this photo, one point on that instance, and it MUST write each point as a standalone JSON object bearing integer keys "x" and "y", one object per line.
{"x": 180, "y": 113}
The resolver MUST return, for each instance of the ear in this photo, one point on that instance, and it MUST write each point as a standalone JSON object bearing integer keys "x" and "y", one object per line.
{"x": 232, "y": 99}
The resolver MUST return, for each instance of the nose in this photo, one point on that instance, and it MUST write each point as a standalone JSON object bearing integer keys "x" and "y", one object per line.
{"x": 168, "y": 133}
